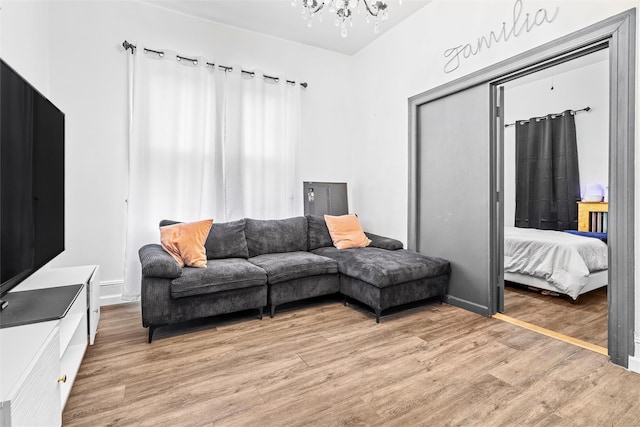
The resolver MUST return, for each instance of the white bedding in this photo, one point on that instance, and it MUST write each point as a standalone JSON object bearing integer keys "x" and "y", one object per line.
{"x": 562, "y": 259}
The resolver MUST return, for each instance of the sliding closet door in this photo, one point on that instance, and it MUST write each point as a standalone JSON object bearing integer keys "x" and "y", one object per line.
{"x": 453, "y": 194}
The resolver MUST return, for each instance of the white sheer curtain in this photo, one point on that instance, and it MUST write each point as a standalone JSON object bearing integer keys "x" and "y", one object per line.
{"x": 205, "y": 143}
{"x": 262, "y": 129}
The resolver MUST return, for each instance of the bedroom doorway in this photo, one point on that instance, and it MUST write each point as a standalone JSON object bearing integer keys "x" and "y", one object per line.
{"x": 620, "y": 46}
{"x": 466, "y": 174}
{"x": 573, "y": 98}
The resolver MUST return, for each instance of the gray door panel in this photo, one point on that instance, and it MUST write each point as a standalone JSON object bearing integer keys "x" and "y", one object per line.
{"x": 453, "y": 200}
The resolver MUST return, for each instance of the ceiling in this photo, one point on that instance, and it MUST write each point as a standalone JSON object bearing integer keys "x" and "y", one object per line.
{"x": 278, "y": 18}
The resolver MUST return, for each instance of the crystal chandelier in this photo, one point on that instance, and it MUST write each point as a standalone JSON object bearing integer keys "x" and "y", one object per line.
{"x": 344, "y": 10}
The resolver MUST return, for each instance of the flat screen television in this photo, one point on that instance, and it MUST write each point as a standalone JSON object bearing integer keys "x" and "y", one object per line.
{"x": 31, "y": 179}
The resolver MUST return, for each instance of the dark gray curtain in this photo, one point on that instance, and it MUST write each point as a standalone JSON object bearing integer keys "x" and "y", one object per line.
{"x": 547, "y": 177}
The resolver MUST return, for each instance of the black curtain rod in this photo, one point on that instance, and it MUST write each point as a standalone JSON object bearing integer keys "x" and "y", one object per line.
{"x": 587, "y": 109}
{"x": 128, "y": 46}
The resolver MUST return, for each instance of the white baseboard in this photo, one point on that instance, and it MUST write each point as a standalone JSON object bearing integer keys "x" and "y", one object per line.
{"x": 634, "y": 364}
{"x": 111, "y": 292}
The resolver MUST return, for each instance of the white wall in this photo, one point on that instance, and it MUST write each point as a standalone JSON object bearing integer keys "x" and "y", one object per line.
{"x": 574, "y": 89}
{"x": 72, "y": 49}
{"x": 409, "y": 60}
{"x": 24, "y": 35}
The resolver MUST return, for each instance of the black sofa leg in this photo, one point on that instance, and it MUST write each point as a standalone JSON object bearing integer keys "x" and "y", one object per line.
{"x": 273, "y": 310}
{"x": 378, "y": 311}
{"x": 152, "y": 329}
{"x": 260, "y": 311}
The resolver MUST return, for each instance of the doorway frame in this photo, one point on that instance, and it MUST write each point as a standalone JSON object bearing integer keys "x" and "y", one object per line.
{"x": 619, "y": 33}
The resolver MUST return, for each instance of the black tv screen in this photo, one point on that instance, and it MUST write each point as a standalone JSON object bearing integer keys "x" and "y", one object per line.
{"x": 31, "y": 179}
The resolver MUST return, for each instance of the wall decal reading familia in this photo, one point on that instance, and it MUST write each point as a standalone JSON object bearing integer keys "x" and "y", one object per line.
{"x": 518, "y": 25}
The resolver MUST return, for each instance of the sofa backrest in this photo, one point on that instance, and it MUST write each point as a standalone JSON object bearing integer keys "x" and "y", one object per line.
{"x": 319, "y": 236}
{"x": 276, "y": 235}
{"x": 227, "y": 240}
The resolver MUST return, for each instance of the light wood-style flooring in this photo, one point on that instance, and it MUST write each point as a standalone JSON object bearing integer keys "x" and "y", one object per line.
{"x": 584, "y": 318}
{"x": 328, "y": 365}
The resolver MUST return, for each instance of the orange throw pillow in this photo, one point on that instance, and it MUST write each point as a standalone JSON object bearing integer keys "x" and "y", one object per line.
{"x": 346, "y": 231}
{"x": 185, "y": 242}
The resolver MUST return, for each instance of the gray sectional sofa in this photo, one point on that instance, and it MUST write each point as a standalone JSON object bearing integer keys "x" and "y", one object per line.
{"x": 252, "y": 264}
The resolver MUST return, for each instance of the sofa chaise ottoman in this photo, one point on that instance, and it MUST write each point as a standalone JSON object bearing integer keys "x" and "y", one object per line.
{"x": 382, "y": 275}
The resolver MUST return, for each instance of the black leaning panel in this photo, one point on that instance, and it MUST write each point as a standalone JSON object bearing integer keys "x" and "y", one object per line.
{"x": 39, "y": 305}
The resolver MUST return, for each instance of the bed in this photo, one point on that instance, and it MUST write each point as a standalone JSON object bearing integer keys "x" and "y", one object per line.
{"x": 554, "y": 260}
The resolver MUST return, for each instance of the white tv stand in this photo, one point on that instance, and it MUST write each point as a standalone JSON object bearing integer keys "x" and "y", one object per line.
{"x": 39, "y": 361}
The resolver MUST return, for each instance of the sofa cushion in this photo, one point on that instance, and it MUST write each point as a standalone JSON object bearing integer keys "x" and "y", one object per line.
{"x": 319, "y": 236}
{"x": 276, "y": 235}
{"x": 382, "y": 268}
{"x": 294, "y": 265}
{"x": 227, "y": 240}
{"x": 219, "y": 275}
